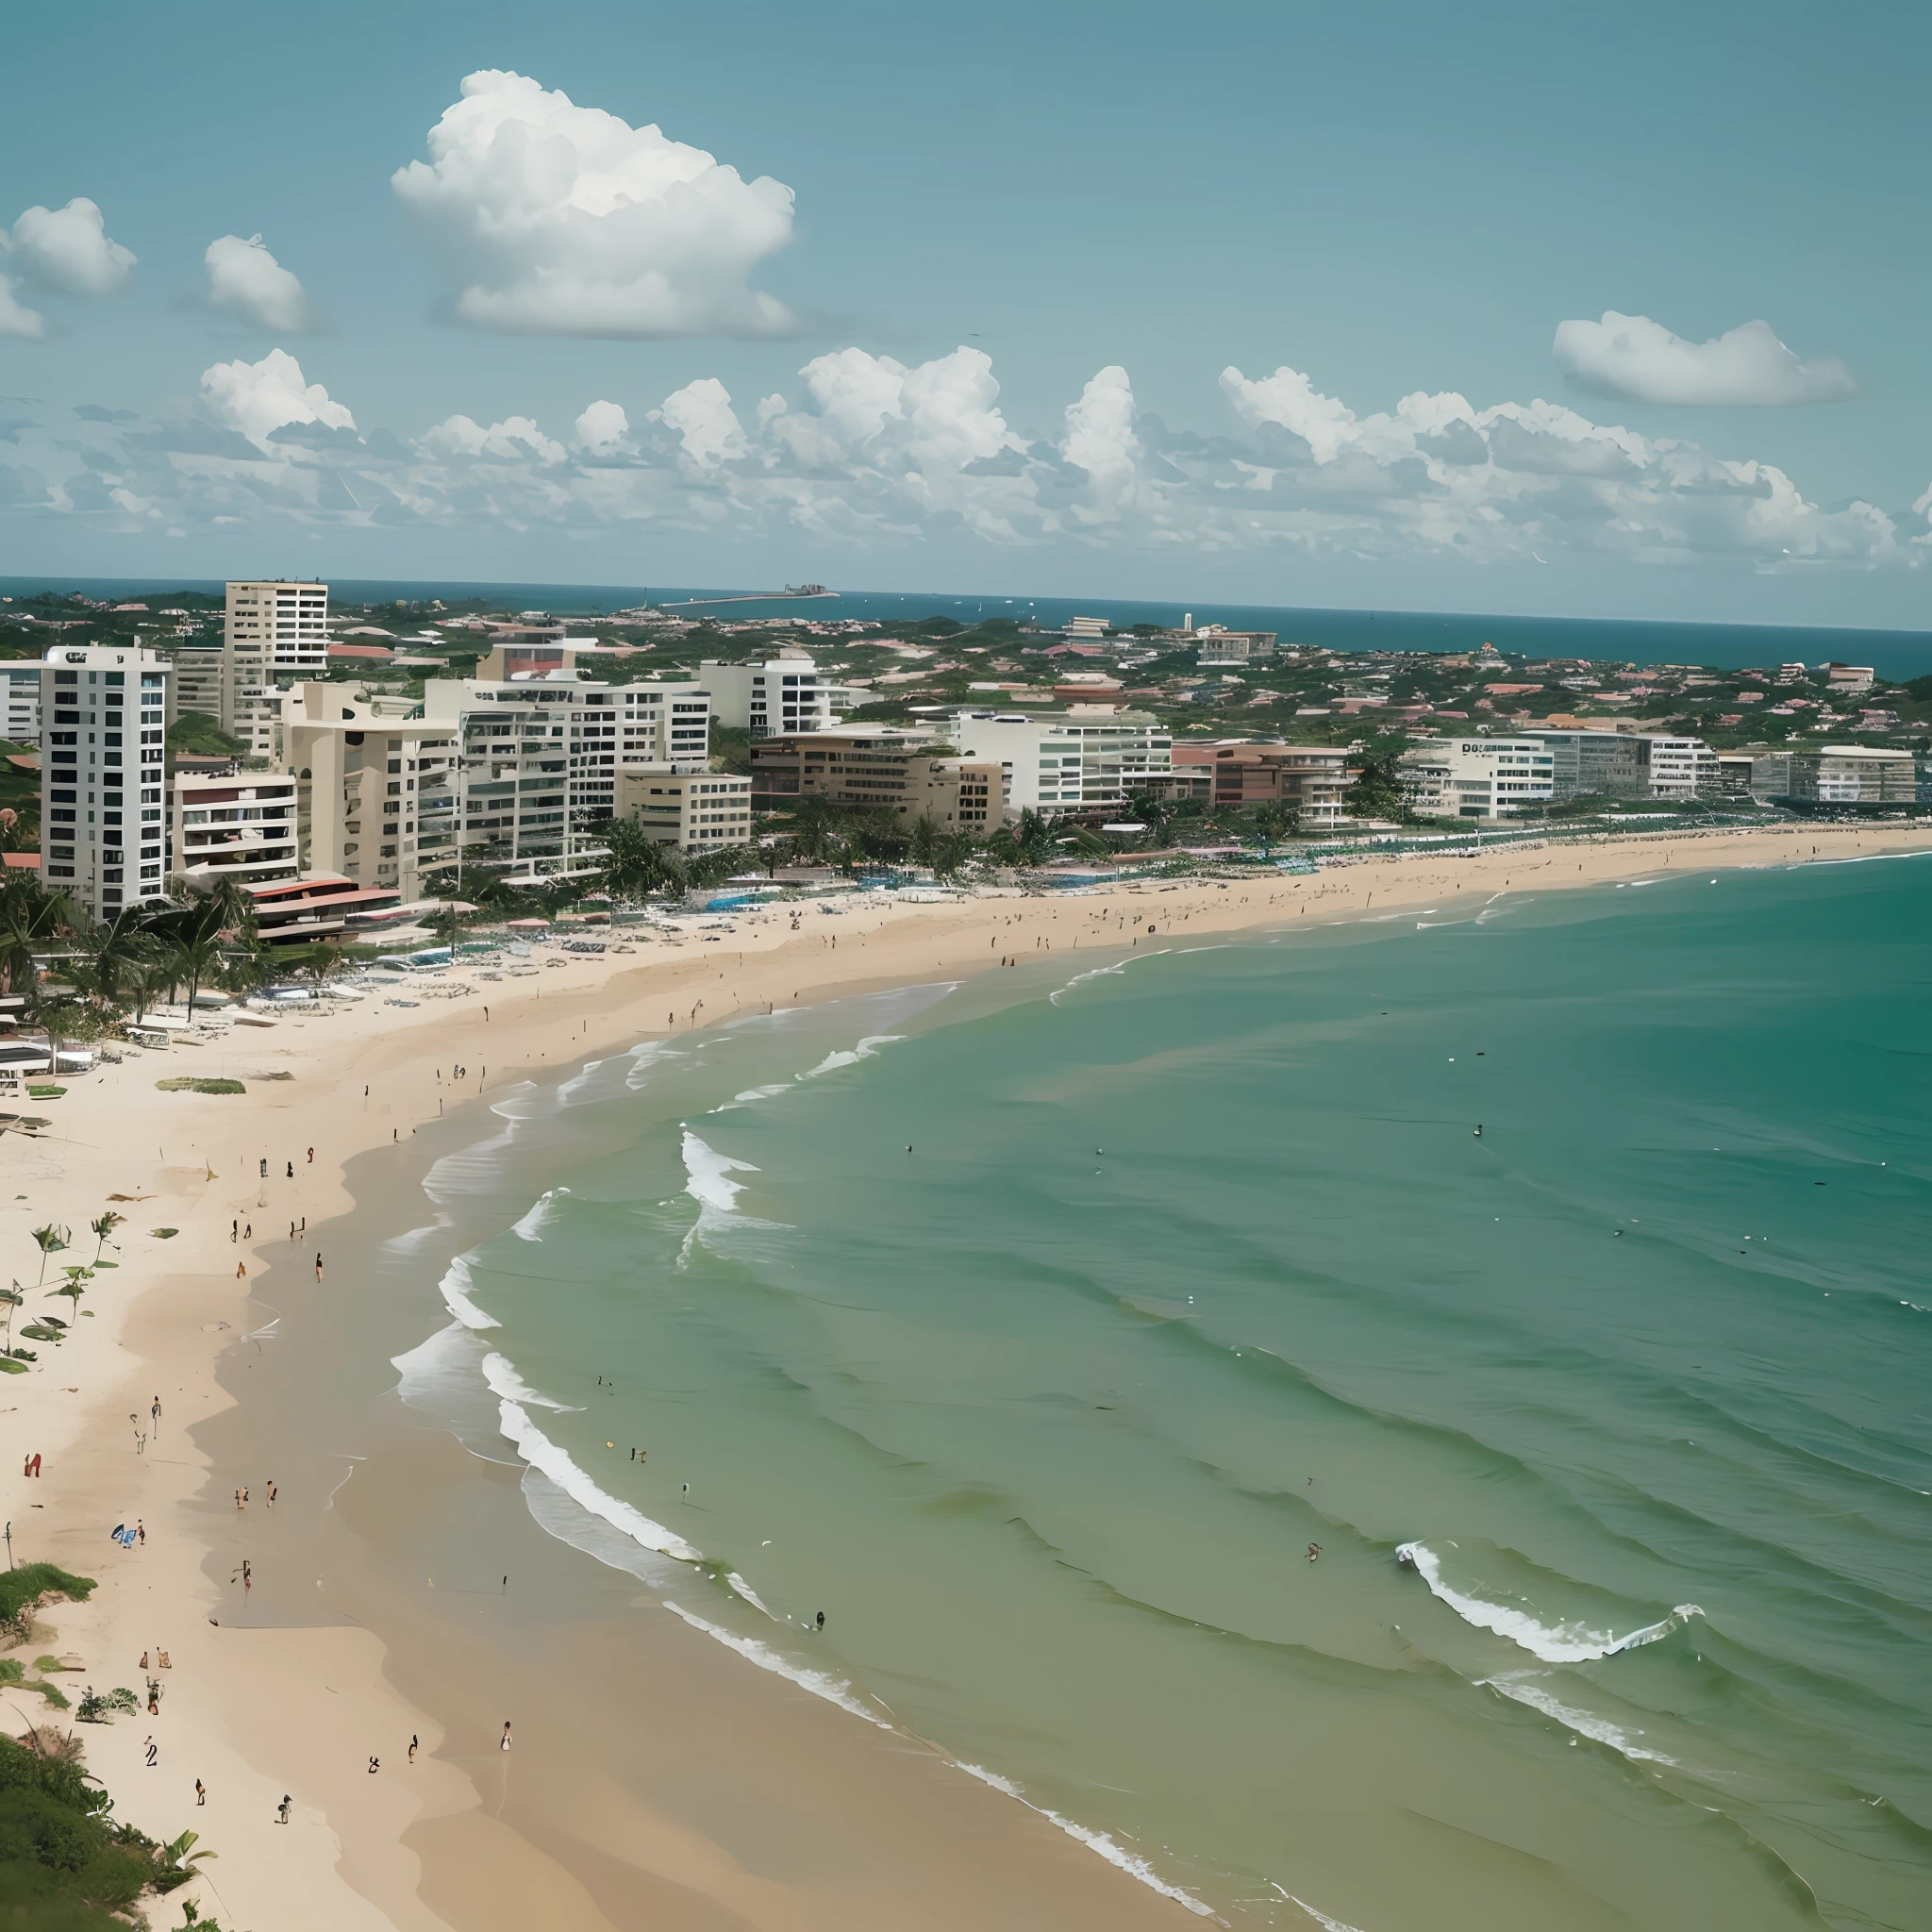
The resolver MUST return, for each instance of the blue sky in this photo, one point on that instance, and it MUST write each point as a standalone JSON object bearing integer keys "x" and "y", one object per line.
{"x": 1120, "y": 300}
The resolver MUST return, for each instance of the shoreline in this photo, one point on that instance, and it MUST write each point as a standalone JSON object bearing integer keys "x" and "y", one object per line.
{"x": 258, "y": 1710}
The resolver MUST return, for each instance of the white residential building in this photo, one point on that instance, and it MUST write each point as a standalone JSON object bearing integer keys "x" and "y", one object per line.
{"x": 20, "y": 686}
{"x": 1681, "y": 767}
{"x": 1477, "y": 777}
{"x": 1216, "y": 644}
{"x": 784, "y": 693}
{"x": 538, "y": 758}
{"x": 105, "y": 713}
{"x": 1056, "y": 762}
{"x": 272, "y": 634}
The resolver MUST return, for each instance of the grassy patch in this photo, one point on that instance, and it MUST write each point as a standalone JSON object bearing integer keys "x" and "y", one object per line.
{"x": 22, "y": 1591}
{"x": 187, "y": 1083}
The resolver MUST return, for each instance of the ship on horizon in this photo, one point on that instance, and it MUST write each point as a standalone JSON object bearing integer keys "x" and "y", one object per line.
{"x": 792, "y": 592}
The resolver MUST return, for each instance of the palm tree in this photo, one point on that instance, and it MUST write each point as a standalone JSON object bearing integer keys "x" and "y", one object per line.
{"x": 31, "y": 918}
{"x": 1276, "y": 819}
{"x": 637, "y": 864}
{"x": 951, "y": 849}
{"x": 50, "y": 1241}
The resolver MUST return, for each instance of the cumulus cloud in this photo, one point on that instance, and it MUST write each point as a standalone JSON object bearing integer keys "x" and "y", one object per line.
{"x": 603, "y": 429}
{"x": 244, "y": 278}
{"x": 25, "y": 325}
{"x": 552, "y": 219}
{"x": 1638, "y": 361}
{"x": 867, "y": 451}
{"x": 516, "y": 439}
{"x": 259, "y": 398}
{"x": 69, "y": 251}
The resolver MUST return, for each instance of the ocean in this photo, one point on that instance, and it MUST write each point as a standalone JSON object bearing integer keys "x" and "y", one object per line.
{"x": 1413, "y": 1426}
{"x": 1894, "y": 654}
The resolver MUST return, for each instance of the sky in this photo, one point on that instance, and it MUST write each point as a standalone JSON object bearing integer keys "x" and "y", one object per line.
{"x": 1573, "y": 310}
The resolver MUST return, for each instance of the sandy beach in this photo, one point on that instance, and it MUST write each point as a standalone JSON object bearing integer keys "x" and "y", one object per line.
{"x": 654, "y": 1778}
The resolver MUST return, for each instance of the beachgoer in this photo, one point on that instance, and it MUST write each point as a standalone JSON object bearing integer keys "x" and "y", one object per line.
{"x": 820, "y": 1620}
{"x": 311, "y": 1157}
{"x": 504, "y": 1744}
{"x": 247, "y": 1574}
{"x": 375, "y": 1765}
{"x": 235, "y": 1230}
{"x": 241, "y": 1271}
{"x": 141, "y": 1529}
{"x": 237, "y": 1499}
{"x": 264, "y": 1167}
{"x": 154, "y": 1700}
{"x": 318, "y": 1264}
{"x": 200, "y": 1792}
{"x": 153, "y": 1751}
{"x": 1314, "y": 1552}
{"x": 282, "y": 1810}
{"x": 249, "y": 1232}
{"x": 292, "y": 1170}
{"x": 244, "y": 1492}
{"x": 155, "y": 1410}
{"x": 271, "y": 1493}
{"x": 413, "y": 1747}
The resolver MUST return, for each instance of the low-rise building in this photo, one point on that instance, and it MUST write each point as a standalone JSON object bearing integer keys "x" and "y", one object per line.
{"x": 1628, "y": 764}
{"x": 1477, "y": 777}
{"x": 1863, "y": 775}
{"x": 695, "y": 812}
{"x": 1056, "y": 763}
{"x": 882, "y": 767}
{"x": 1216, "y": 644}
{"x": 243, "y": 826}
{"x": 1309, "y": 777}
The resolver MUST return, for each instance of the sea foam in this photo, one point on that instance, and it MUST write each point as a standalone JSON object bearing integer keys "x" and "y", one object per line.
{"x": 1111, "y": 1849}
{"x": 543, "y": 1453}
{"x": 833, "y": 1690}
{"x": 1573, "y": 1643}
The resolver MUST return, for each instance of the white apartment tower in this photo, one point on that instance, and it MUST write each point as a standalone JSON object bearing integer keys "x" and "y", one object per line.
{"x": 272, "y": 635}
{"x": 1058, "y": 762}
{"x": 104, "y": 715}
{"x": 782, "y": 695}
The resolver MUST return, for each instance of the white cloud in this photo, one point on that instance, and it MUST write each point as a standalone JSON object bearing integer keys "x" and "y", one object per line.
{"x": 552, "y": 219}
{"x": 1100, "y": 439}
{"x": 244, "y": 278}
{"x": 259, "y": 398}
{"x": 701, "y": 416}
{"x": 516, "y": 439}
{"x": 68, "y": 250}
{"x": 603, "y": 429}
{"x": 1641, "y": 362}
{"x": 870, "y": 453}
{"x": 23, "y": 324}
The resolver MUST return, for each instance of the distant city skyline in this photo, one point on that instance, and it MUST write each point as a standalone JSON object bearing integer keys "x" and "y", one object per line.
{"x": 1493, "y": 312}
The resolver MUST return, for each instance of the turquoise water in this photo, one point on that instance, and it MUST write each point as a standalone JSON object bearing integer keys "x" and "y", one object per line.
{"x": 1610, "y": 1422}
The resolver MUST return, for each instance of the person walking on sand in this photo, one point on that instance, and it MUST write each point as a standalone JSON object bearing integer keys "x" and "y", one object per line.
{"x": 413, "y": 1747}
{"x": 271, "y": 1493}
{"x": 283, "y": 1808}
{"x": 503, "y": 1743}
{"x": 200, "y": 1792}
{"x": 155, "y": 1410}
{"x": 237, "y": 1499}
{"x": 241, "y": 1271}
{"x": 318, "y": 1264}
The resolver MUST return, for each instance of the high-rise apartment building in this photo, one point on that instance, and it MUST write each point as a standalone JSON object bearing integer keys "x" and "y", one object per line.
{"x": 105, "y": 714}
{"x": 376, "y": 786}
{"x": 1477, "y": 777}
{"x": 783, "y": 694}
{"x": 886, "y": 768}
{"x": 272, "y": 634}
{"x": 537, "y": 759}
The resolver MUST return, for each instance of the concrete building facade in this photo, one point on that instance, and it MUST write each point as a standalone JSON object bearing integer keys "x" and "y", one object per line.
{"x": 19, "y": 691}
{"x": 1056, "y": 763}
{"x": 1477, "y": 777}
{"x": 1216, "y": 644}
{"x": 1863, "y": 774}
{"x": 695, "y": 812}
{"x": 103, "y": 747}
{"x": 886, "y": 768}
{"x": 782, "y": 694}
{"x": 1311, "y": 777}
{"x": 243, "y": 826}
{"x": 272, "y": 634}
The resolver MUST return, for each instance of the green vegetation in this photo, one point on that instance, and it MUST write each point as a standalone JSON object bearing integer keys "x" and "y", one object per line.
{"x": 186, "y": 1083}
{"x": 201, "y": 737}
{"x": 65, "y": 1865}
{"x": 24, "y": 1589}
